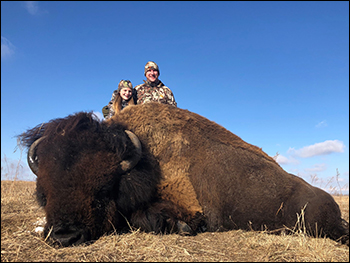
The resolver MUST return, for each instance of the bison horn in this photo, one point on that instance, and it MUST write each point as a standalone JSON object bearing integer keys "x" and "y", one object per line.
{"x": 32, "y": 158}
{"x": 130, "y": 163}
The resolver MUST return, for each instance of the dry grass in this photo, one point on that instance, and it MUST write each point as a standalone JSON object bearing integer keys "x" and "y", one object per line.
{"x": 19, "y": 242}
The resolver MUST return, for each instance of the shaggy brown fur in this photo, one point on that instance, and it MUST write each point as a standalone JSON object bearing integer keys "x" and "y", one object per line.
{"x": 82, "y": 187}
{"x": 236, "y": 184}
{"x": 191, "y": 168}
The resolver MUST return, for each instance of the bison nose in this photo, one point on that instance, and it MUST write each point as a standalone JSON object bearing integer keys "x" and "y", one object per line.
{"x": 68, "y": 236}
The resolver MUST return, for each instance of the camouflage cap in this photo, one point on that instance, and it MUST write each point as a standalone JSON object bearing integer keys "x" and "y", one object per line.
{"x": 151, "y": 65}
{"x": 125, "y": 84}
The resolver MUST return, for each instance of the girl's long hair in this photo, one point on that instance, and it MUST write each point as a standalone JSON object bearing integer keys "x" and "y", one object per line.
{"x": 117, "y": 104}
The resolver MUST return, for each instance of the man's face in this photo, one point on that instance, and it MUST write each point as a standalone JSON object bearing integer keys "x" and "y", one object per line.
{"x": 152, "y": 75}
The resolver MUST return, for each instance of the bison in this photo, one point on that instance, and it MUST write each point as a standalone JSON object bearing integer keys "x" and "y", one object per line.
{"x": 164, "y": 169}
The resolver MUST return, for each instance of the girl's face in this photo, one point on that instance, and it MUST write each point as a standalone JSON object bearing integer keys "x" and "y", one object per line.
{"x": 125, "y": 93}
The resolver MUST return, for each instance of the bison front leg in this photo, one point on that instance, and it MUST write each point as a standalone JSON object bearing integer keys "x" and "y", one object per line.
{"x": 179, "y": 191}
{"x": 163, "y": 217}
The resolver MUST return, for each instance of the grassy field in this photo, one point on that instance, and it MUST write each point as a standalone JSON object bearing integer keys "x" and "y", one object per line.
{"x": 20, "y": 215}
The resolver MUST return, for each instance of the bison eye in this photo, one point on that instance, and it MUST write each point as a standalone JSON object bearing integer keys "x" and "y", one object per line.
{"x": 99, "y": 204}
{"x": 102, "y": 197}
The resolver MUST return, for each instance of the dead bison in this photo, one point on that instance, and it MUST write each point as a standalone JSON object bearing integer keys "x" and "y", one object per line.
{"x": 165, "y": 169}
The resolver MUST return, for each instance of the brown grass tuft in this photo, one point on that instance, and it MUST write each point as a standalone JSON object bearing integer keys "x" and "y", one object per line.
{"x": 19, "y": 242}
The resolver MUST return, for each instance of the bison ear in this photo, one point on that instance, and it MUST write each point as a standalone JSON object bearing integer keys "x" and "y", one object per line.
{"x": 128, "y": 164}
{"x": 32, "y": 158}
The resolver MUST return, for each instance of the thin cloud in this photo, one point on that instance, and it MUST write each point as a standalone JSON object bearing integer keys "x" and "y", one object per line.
{"x": 280, "y": 159}
{"x": 322, "y": 124}
{"x": 317, "y": 168}
{"x": 7, "y": 49}
{"x": 322, "y": 148}
{"x": 33, "y": 7}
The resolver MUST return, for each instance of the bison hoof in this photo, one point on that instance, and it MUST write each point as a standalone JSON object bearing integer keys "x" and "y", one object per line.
{"x": 202, "y": 229}
{"x": 184, "y": 229}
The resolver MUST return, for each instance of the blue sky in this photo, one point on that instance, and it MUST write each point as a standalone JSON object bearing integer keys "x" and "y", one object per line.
{"x": 274, "y": 73}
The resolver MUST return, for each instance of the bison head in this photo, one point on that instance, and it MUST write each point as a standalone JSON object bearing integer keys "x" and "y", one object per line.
{"x": 83, "y": 170}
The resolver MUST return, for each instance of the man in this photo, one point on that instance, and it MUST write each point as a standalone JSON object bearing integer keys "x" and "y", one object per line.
{"x": 153, "y": 89}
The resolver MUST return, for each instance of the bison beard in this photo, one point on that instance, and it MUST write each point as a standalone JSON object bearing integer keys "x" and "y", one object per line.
{"x": 192, "y": 174}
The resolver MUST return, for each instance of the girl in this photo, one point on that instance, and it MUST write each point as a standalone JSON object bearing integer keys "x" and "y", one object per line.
{"x": 122, "y": 97}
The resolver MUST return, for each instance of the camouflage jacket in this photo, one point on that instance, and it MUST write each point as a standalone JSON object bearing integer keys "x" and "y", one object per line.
{"x": 148, "y": 92}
